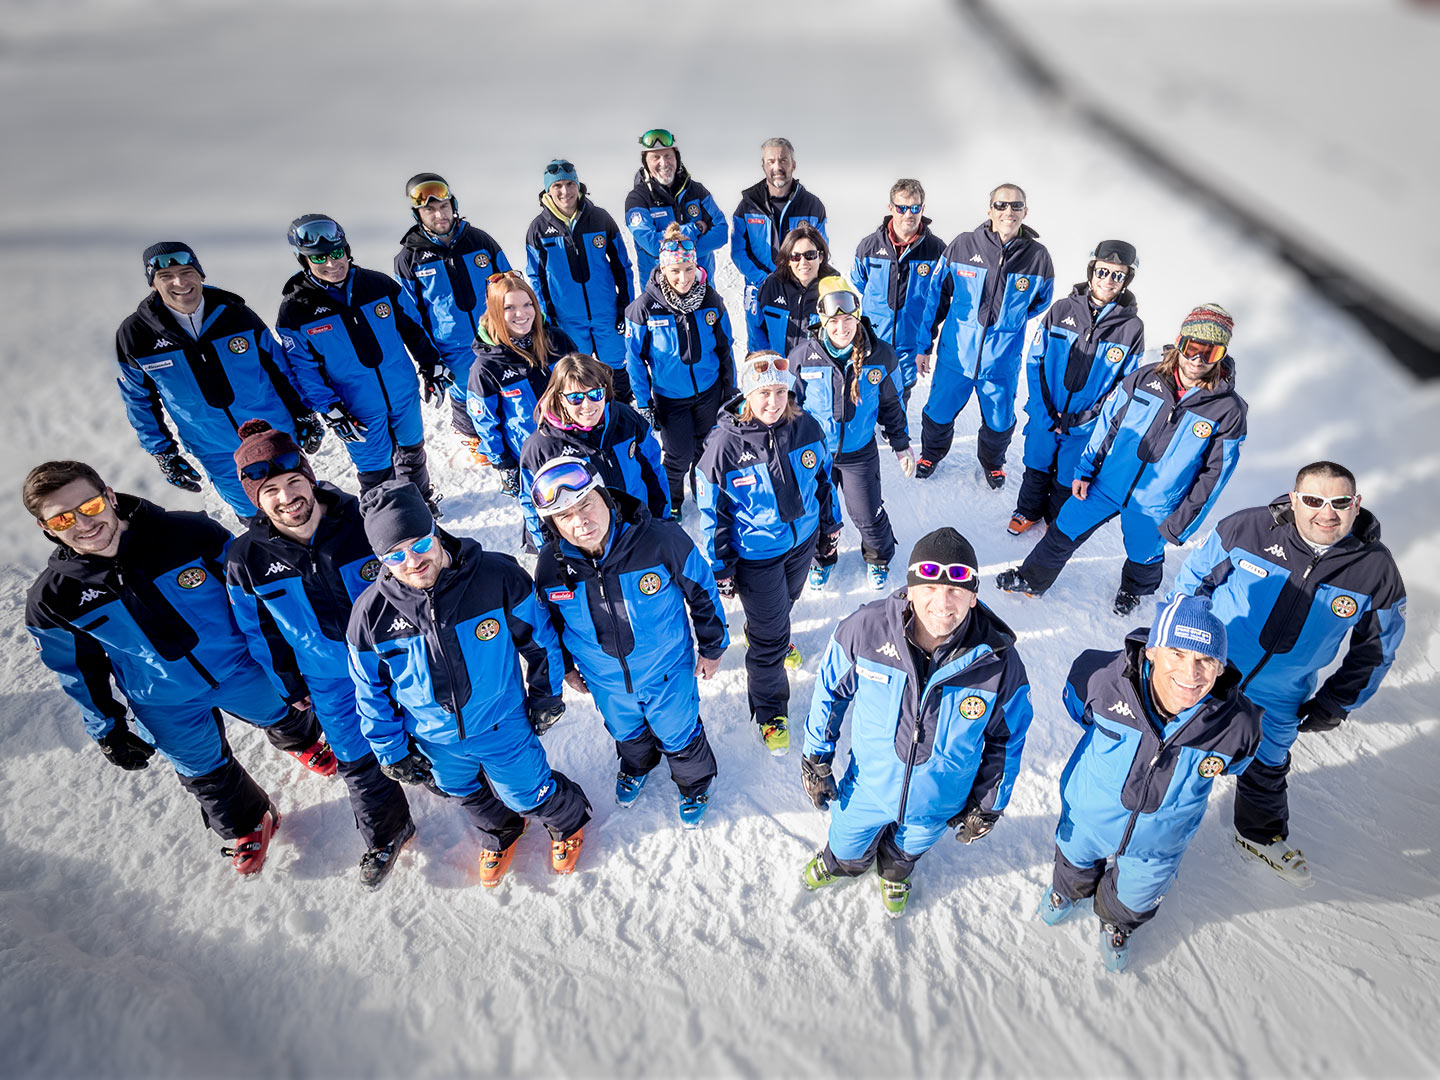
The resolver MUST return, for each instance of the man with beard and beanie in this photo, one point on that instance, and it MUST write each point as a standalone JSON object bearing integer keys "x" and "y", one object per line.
{"x": 292, "y": 578}
{"x": 1291, "y": 581}
{"x": 136, "y": 594}
{"x": 578, "y": 266}
{"x": 443, "y": 264}
{"x": 199, "y": 354}
{"x": 665, "y": 192}
{"x": 435, "y": 649}
{"x": 766, "y": 214}
{"x": 350, "y": 334}
{"x": 941, "y": 708}
{"x": 1163, "y": 717}
{"x": 624, "y": 590}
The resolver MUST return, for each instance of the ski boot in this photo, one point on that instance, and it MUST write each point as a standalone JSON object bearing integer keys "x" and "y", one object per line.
{"x": 627, "y": 787}
{"x": 793, "y": 659}
{"x": 318, "y": 758}
{"x": 877, "y": 574}
{"x": 1114, "y": 947}
{"x": 777, "y": 736}
{"x": 894, "y": 895}
{"x": 692, "y": 809}
{"x": 376, "y": 864}
{"x": 819, "y": 575}
{"x": 815, "y": 876}
{"x": 1126, "y": 602}
{"x": 994, "y": 477}
{"x": 1019, "y": 523}
{"x": 564, "y": 854}
{"x": 924, "y": 468}
{"x": 248, "y": 854}
{"x": 1054, "y": 908}
{"x": 493, "y": 864}
{"x": 1011, "y": 581}
{"x": 1286, "y": 861}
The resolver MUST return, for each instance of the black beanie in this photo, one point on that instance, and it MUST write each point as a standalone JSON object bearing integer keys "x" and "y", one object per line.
{"x": 394, "y": 512}
{"x": 168, "y": 247}
{"x": 943, "y": 546}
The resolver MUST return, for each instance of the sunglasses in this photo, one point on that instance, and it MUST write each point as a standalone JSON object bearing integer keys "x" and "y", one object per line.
{"x": 556, "y": 168}
{"x": 576, "y": 397}
{"x": 1101, "y": 274}
{"x": 657, "y": 137}
{"x": 760, "y": 367}
{"x": 1204, "y": 351}
{"x": 172, "y": 258}
{"x": 426, "y": 190}
{"x": 553, "y": 483}
{"x": 1000, "y": 205}
{"x": 955, "y": 573}
{"x": 89, "y": 508}
{"x": 1315, "y": 502}
{"x": 913, "y": 209}
{"x": 276, "y": 466}
{"x": 420, "y": 547}
{"x": 333, "y": 256}
{"x": 677, "y": 245}
{"x": 841, "y": 302}
{"x": 504, "y": 275}
{"x": 805, "y": 256}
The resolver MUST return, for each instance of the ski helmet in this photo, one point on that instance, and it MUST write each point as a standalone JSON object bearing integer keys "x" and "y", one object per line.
{"x": 561, "y": 483}
{"x": 422, "y": 187}
{"x": 316, "y": 234}
{"x": 1116, "y": 251}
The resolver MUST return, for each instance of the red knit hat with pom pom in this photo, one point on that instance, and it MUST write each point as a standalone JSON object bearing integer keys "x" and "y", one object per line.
{"x": 259, "y": 443}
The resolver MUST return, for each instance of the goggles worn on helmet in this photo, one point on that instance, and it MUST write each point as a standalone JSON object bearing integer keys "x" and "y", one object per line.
{"x": 319, "y": 234}
{"x": 167, "y": 259}
{"x": 89, "y": 508}
{"x": 276, "y": 466}
{"x": 955, "y": 573}
{"x": 839, "y": 302}
{"x": 677, "y": 245}
{"x": 1116, "y": 251}
{"x": 426, "y": 190}
{"x": 657, "y": 137}
{"x": 560, "y": 485}
{"x": 419, "y": 547}
{"x": 1205, "y": 351}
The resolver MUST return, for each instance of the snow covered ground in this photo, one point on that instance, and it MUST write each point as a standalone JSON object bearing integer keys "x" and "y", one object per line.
{"x": 127, "y": 948}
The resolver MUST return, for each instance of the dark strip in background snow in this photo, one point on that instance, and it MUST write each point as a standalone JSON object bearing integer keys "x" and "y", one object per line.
{"x": 1410, "y": 336}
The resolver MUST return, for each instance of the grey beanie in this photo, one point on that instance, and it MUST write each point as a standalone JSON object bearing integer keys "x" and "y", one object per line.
{"x": 394, "y": 512}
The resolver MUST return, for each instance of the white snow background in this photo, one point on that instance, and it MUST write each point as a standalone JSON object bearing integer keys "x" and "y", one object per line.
{"x": 128, "y": 948}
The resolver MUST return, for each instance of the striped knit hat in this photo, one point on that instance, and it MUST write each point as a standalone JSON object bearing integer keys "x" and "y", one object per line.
{"x": 1209, "y": 323}
{"x": 1186, "y": 622}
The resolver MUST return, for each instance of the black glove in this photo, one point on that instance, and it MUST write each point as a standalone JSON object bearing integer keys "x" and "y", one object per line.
{"x": 411, "y": 769}
{"x": 509, "y": 480}
{"x": 124, "y": 748}
{"x": 345, "y": 426}
{"x": 819, "y": 783}
{"x": 177, "y": 470}
{"x": 825, "y": 546}
{"x": 726, "y": 586}
{"x": 1316, "y": 717}
{"x": 436, "y": 383}
{"x": 309, "y": 432}
{"x": 648, "y": 412}
{"x": 974, "y": 823}
{"x": 543, "y": 717}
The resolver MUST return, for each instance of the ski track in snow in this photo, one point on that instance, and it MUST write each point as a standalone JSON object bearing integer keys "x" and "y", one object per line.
{"x": 128, "y": 948}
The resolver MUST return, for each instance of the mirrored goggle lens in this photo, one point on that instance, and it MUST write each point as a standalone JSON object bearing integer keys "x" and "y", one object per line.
{"x": 677, "y": 245}
{"x": 575, "y": 397}
{"x": 334, "y": 256}
{"x": 89, "y": 508}
{"x": 319, "y": 233}
{"x": 843, "y": 302}
{"x": 1200, "y": 350}
{"x": 656, "y": 137}
{"x": 172, "y": 258}
{"x": 263, "y": 470}
{"x": 420, "y": 547}
{"x": 552, "y": 483}
{"x": 423, "y": 192}
{"x": 1339, "y": 502}
{"x": 956, "y": 573}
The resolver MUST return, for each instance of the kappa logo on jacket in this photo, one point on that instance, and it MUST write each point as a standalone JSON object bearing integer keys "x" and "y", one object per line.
{"x": 1121, "y": 709}
{"x": 1155, "y": 384}
{"x": 781, "y": 302}
{"x": 164, "y": 343}
{"x": 275, "y": 568}
{"x": 746, "y": 455}
{"x": 1277, "y": 551}
{"x": 1068, "y": 321}
{"x": 976, "y": 258}
{"x": 550, "y": 230}
{"x": 510, "y": 373}
{"x": 90, "y": 594}
{"x": 888, "y": 649}
{"x": 323, "y": 310}
{"x": 400, "y": 623}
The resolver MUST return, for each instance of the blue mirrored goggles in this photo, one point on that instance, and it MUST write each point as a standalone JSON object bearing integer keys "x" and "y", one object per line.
{"x": 552, "y": 483}
{"x": 677, "y": 245}
{"x": 913, "y": 208}
{"x": 575, "y": 397}
{"x": 420, "y": 547}
{"x": 315, "y": 234}
{"x": 276, "y": 466}
{"x": 172, "y": 258}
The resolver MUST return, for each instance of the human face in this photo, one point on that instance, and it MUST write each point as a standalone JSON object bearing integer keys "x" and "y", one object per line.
{"x": 1325, "y": 525}
{"x": 679, "y": 276}
{"x": 940, "y": 609}
{"x": 588, "y": 413}
{"x": 768, "y": 403}
{"x": 779, "y": 167}
{"x": 179, "y": 287}
{"x": 288, "y": 500}
{"x": 438, "y": 216}
{"x": 566, "y": 196}
{"x": 586, "y": 523}
{"x": 1006, "y": 222}
{"x": 519, "y": 312}
{"x": 1193, "y": 366}
{"x": 805, "y": 270}
{"x": 905, "y": 225}
{"x": 419, "y": 570}
{"x": 841, "y": 328}
{"x": 98, "y": 535}
{"x": 1107, "y": 290}
{"x": 332, "y": 270}
{"x": 1181, "y": 678}
{"x": 662, "y": 164}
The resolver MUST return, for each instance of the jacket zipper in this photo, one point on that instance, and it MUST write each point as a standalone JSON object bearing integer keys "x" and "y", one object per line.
{"x": 1314, "y": 562}
{"x": 445, "y": 660}
{"x": 614, "y": 624}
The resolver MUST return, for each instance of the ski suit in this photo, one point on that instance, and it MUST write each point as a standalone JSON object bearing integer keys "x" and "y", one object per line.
{"x": 651, "y": 207}
{"x": 759, "y": 227}
{"x": 784, "y": 312}
{"x": 897, "y": 287}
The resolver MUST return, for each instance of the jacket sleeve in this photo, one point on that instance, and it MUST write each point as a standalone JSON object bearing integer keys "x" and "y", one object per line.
{"x": 1221, "y": 457}
{"x": 703, "y": 599}
{"x": 652, "y": 467}
{"x": 528, "y": 464}
{"x": 642, "y": 225}
{"x": 382, "y": 721}
{"x": 305, "y": 365}
{"x": 1004, "y": 742}
{"x": 1101, "y": 438}
{"x": 717, "y": 514}
{"x": 263, "y": 639}
{"x": 834, "y": 690}
{"x": 860, "y": 270}
{"x": 1037, "y": 402}
{"x": 725, "y": 352}
{"x": 1045, "y": 293}
{"x": 534, "y": 635}
{"x": 937, "y": 302}
{"x": 277, "y": 368}
{"x": 825, "y": 489}
{"x": 142, "y": 405}
{"x": 1205, "y": 569}
{"x": 717, "y": 229}
{"x": 740, "y": 251}
{"x": 482, "y": 405}
{"x": 892, "y": 410}
{"x": 620, "y": 267}
{"x": 413, "y": 332}
{"x": 755, "y": 338}
{"x": 637, "y": 353}
{"x": 1373, "y": 642}
{"x": 535, "y": 259}
{"x": 83, "y": 669}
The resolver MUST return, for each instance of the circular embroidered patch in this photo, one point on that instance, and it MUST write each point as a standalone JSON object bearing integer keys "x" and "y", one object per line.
{"x": 382, "y": 311}
{"x": 371, "y": 570}
{"x": 1022, "y": 283}
{"x": 598, "y": 241}
{"x": 693, "y": 209}
{"x": 239, "y": 345}
{"x": 711, "y": 317}
{"x": 923, "y": 269}
{"x": 972, "y": 708}
{"x": 808, "y": 459}
{"x": 875, "y": 376}
{"x": 192, "y": 577}
{"x": 487, "y": 629}
{"x": 1114, "y": 354}
{"x": 1202, "y": 429}
{"x": 482, "y": 260}
{"x": 650, "y": 584}
{"x": 1211, "y": 766}
{"x": 1344, "y": 606}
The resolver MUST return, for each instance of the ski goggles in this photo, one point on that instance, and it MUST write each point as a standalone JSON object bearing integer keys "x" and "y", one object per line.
{"x": 1101, "y": 274}
{"x": 558, "y": 483}
{"x": 171, "y": 258}
{"x": 317, "y": 234}
{"x": 560, "y": 168}
{"x": 910, "y": 208}
{"x": 955, "y": 573}
{"x": 1204, "y": 351}
{"x": 329, "y": 256}
{"x": 89, "y": 508}
{"x": 276, "y": 466}
{"x": 839, "y": 302}
{"x": 1337, "y": 502}
{"x": 805, "y": 256}
{"x": 419, "y": 547}
{"x": 576, "y": 397}
{"x": 426, "y": 190}
{"x": 1001, "y": 204}
{"x": 677, "y": 245}
{"x": 657, "y": 137}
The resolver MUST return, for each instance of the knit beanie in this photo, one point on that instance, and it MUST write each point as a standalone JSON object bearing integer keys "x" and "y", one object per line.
{"x": 1187, "y": 622}
{"x": 260, "y": 442}
{"x": 556, "y": 171}
{"x": 1209, "y": 323}
{"x": 943, "y": 546}
{"x": 775, "y": 372}
{"x": 394, "y": 512}
{"x": 168, "y": 247}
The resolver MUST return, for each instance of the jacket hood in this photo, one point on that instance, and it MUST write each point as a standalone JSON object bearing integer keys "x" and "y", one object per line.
{"x": 1366, "y": 530}
{"x": 130, "y": 509}
{"x": 417, "y": 239}
{"x": 1124, "y": 303}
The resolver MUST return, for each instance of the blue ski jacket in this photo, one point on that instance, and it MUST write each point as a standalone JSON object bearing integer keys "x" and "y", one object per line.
{"x": 443, "y": 663}
{"x": 353, "y": 343}
{"x": 580, "y": 271}
{"x": 1169, "y": 457}
{"x": 447, "y": 282}
{"x": 1287, "y": 610}
{"x": 622, "y": 617}
{"x": 784, "y": 312}
{"x": 761, "y": 490}
{"x": 503, "y": 392}
{"x": 1079, "y": 356}
{"x": 210, "y": 386}
{"x": 988, "y": 292}
{"x": 677, "y": 354}
{"x": 897, "y": 288}
{"x": 757, "y": 232}
{"x": 651, "y": 207}
{"x": 155, "y": 618}
{"x": 292, "y": 600}
{"x": 929, "y": 737}
{"x": 823, "y": 387}
{"x": 1138, "y": 781}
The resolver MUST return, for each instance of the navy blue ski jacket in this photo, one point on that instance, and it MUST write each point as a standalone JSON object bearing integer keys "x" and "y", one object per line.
{"x": 823, "y": 385}
{"x": 783, "y": 314}
{"x": 503, "y": 391}
{"x": 677, "y": 355}
{"x": 756, "y": 233}
{"x": 651, "y": 207}
{"x": 447, "y": 284}
{"x": 580, "y": 271}
{"x": 1079, "y": 356}
{"x": 897, "y": 288}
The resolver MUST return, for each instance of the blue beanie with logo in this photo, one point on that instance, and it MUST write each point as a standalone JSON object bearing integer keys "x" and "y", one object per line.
{"x": 1187, "y": 622}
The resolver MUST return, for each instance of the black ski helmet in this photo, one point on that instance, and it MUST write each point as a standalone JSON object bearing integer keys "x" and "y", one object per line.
{"x": 1116, "y": 251}
{"x": 430, "y": 177}
{"x": 315, "y": 234}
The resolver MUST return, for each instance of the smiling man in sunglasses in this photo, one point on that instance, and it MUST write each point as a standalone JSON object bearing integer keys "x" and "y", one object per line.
{"x": 941, "y": 706}
{"x": 665, "y": 192}
{"x": 136, "y": 594}
{"x": 1291, "y": 581}
{"x": 200, "y": 355}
